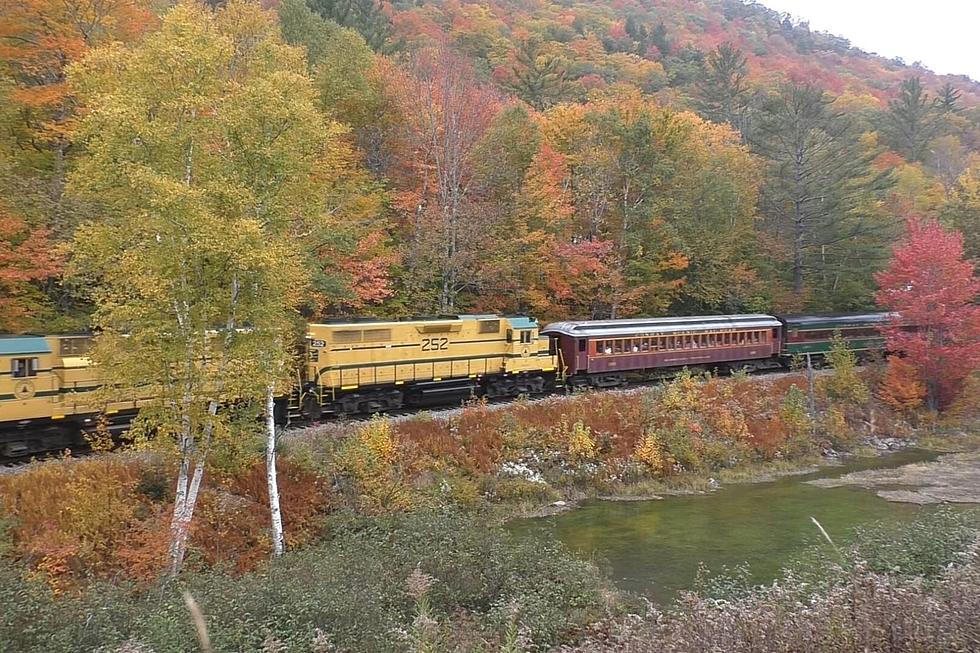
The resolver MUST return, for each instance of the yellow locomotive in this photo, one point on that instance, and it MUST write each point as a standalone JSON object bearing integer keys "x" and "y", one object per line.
{"x": 47, "y": 383}
{"x": 378, "y": 366}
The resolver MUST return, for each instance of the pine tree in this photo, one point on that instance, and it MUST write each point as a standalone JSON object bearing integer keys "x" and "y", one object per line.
{"x": 818, "y": 192}
{"x": 723, "y": 89}
{"x": 539, "y": 78}
{"x": 912, "y": 120}
{"x": 367, "y": 17}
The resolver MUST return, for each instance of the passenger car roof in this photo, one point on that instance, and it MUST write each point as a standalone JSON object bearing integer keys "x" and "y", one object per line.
{"x": 657, "y": 325}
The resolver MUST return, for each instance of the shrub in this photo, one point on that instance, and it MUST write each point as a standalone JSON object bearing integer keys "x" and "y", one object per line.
{"x": 352, "y": 587}
{"x": 368, "y": 460}
{"x": 650, "y": 452}
{"x": 581, "y": 444}
{"x": 901, "y": 388}
{"x": 845, "y": 383}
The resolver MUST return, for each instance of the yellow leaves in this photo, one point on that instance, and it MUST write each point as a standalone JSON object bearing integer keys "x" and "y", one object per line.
{"x": 579, "y": 440}
{"x": 682, "y": 394}
{"x": 369, "y": 458}
{"x": 649, "y": 451}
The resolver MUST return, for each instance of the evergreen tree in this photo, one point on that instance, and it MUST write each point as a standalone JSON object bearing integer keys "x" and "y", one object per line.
{"x": 364, "y": 16}
{"x": 911, "y": 120}
{"x": 820, "y": 191}
{"x": 723, "y": 89}
{"x": 539, "y": 79}
{"x": 947, "y": 101}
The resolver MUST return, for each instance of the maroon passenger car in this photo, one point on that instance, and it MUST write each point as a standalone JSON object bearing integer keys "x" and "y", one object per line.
{"x": 602, "y": 353}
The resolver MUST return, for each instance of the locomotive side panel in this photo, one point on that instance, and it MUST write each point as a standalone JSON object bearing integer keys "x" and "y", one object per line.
{"x": 374, "y": 366}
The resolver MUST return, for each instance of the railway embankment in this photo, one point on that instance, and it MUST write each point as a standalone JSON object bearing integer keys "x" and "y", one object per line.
{"x": 368, "y": 502}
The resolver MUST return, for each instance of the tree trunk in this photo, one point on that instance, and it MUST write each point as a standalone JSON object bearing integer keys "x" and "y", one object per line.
{"x": 278, "y": 539}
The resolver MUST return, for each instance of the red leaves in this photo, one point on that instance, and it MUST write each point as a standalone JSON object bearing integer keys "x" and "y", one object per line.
{"x": 26, "y": 256}
{"x": 932, "y": 289}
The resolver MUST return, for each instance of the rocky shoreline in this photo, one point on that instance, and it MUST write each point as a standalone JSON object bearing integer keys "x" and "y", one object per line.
{"x": 951, "y": 478}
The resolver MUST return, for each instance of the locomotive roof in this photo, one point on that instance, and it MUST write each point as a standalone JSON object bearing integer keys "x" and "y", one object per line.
{"x": 649, "y": 325}
{"x": 517, "y": 321}
{"x": 12, "y": 345}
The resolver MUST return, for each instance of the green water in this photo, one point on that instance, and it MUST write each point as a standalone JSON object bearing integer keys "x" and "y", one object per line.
{"x": 654, "y": 548}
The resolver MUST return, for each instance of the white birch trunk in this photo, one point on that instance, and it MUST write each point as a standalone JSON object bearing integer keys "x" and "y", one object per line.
{"x": 278, "y": 539}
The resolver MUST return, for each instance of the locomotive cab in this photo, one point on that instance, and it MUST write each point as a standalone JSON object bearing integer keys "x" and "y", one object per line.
{"x": 27, "y": 381}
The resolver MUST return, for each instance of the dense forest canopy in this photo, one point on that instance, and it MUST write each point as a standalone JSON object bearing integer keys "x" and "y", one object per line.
{"x": 564, "y": 159}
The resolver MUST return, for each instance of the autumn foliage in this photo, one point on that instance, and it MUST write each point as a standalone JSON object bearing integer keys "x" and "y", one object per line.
{"x": 27, "y": 256}
{"x": 901, "y": 387}
{"x": 932, "y": 290}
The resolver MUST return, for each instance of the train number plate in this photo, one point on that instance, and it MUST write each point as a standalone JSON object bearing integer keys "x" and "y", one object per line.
{"x": 319, "y": 344}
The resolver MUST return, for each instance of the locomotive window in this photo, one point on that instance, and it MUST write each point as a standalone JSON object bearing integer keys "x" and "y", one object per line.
{"x": 525, "y": 337}
{"x": 489, "y": 326}
{"x": 23, "y": 367}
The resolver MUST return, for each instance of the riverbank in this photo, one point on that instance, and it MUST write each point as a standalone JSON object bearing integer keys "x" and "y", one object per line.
{"x": 107, "y": 516}
{"x": 952, "y": 478}
{"x": 83, "y": 537}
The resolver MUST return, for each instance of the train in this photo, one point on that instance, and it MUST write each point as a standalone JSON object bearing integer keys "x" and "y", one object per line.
{"x": 48, "y": 387}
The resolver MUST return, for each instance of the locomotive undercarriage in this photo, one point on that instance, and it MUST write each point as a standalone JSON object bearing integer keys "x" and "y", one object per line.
{"x": 426, "y": 393}
{"x": 35, "y": 437}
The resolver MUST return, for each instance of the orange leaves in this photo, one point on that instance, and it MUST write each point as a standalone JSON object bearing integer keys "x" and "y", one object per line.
{"x": 39, "y": 38}
{"x": 26, "y": 256}
{"x": 901, "y": 388}
{"x": 111, "y": 514}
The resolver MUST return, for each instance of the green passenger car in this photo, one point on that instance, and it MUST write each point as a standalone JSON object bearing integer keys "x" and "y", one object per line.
{"x": 813, "y": 334}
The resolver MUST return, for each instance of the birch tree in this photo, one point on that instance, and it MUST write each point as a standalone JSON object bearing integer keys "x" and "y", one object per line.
{"x": 204, "y": 147}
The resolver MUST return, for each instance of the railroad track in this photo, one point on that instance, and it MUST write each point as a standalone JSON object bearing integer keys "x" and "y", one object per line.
{"x": 18, "y": 463}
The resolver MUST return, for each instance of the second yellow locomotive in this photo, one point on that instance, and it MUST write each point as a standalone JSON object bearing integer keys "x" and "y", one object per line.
{"x": 380, "y": 366}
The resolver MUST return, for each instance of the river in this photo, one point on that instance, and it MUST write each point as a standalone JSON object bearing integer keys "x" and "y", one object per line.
{"x": 654, "y": 547}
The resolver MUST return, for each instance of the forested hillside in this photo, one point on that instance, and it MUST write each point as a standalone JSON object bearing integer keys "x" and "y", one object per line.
{"x": 564, "y": 159}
